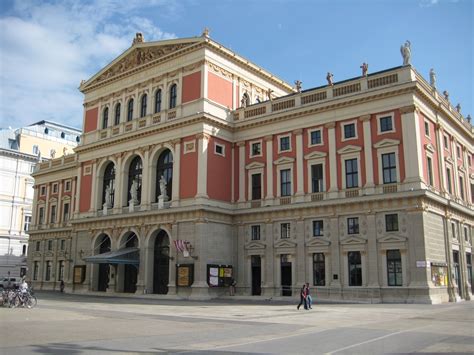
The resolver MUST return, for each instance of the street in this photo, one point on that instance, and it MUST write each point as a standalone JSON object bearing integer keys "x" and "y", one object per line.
{"x": 75, "y": 324}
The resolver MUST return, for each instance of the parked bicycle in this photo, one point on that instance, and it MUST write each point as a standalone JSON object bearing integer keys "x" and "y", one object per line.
{"x": 18, "y": 298}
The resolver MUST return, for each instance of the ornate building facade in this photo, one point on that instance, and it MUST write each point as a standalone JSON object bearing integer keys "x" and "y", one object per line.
{"x": 197, "y": 166}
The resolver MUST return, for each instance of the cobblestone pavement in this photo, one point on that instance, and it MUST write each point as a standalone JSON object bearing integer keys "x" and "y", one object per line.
{"x": 74, "y": 324}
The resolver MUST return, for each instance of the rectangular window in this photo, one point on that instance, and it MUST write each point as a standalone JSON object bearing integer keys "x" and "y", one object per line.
{"x": 43, "y": 191}
{"x": 41, "y": 215}
{"x": 38, "y": 245}
{"x": 63, "y": 244}
{"x": 448, "y": 181}
{"x": 285, "y": 182}
{"x": 66, "y": 212}
{"x": 394, "y": 268}
{"x": 427, "y": 129}
{"x": 55, "y": 188}
{"x": 317, "y": 181}
{"x": 470, "y": 280}
{"x": 26, "y": 226}
{"x": 391, "y": 222}
{"x": 349, "y": 130}
{"x": 256, "y": 149}
{"x": 67, "y": 186}
{"x": 458, "y": 152}
{"x": 319, "y": 270}
{"x": 445, "y": 140}
{"x": 355, "y": 268}
{"x": 219, "y": 149}
{"x": 256, "y": 186}
{"x": 53, "y": 214}
{"x": 318, "y": 228}
{"x": 352, "y": 174}
{"x": 285, "y": 230}
{"x": 386, "y": 124}
{"x": 461, "y": 187}
{"x": 429, "y": 164}
{"x": 353, "y": 225}
{"x": 35, "y": 270}
{"x": 50, "y": 245}
{"x": 60, "y": 270}
{"x": 316, "y": 137}
{"x": 466, "y": 235}
{"x": 256, "y": 232}
{"x": 389, "y": 168}
{"x": 284, "y": 144}
{"x": 48, "y": 271}
{"x": 453, "y": 230}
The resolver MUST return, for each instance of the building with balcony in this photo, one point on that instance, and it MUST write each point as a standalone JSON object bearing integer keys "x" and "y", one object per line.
{"x": 20, "y": 150}
{"x": 197, "y": 166}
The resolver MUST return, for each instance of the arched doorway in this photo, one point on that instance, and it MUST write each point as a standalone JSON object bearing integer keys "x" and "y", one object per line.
{"x": 161, "y": 265}
{"x": 130, "y": 271}
{"x": 103, "y": 277}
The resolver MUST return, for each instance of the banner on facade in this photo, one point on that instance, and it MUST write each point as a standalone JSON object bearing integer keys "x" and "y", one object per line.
{"x": 182, "y": 246}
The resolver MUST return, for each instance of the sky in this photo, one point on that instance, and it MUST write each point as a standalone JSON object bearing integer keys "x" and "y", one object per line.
{"x": 48, "y": 47}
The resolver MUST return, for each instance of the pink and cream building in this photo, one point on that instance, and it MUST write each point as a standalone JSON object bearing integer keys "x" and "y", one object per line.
{"x": 363, "y": 188}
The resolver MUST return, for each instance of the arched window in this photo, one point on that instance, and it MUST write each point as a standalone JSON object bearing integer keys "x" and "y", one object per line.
{"x": 78, "y": 139}
{"x": 165, "y": 168}
{"x": 108, "y": 190}
{"x": 117, "y": 114}
{"x": 143, "y": 106}
{"x": 105, "y": 118}
{"x": 130, "y": 110}
{"x": 63, "y": 135}
{"x": 135, "y": 175}
{"x": 23, "y": 252}
{"x": 173, "y": 94}
{"x": 158, "y": 101}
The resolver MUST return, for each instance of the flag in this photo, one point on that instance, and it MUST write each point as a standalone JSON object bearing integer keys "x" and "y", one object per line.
{"x": 181, "y": 245}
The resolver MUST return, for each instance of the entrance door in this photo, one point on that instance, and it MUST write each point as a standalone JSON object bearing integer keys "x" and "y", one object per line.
{"x": 104, "y": 268}
{"x": 457, "y": 271}
{"x": 161, "y": 267}
{"x": 256, "y": 275}
{"x": 285, "y": 275}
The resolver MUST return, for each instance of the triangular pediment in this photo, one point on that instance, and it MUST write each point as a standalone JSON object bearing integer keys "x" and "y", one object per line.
{"x": 318, "y": 242}
{"x": 430, "y": 147}
{"x": 255, "y": 165}
{"x": 349, "y": 149}
{"x": 353, "y": 240}
{"x": 392, "y": 238}
{"x": 386, "y": 143}
{"x": 284, "y": 160}
{"x": 254, "y": 245}
{"x": 448, "y": 159}
{"x": 139, "y": 55}
{"x": 315, "y": 155}
{"x": 285, "y": 244}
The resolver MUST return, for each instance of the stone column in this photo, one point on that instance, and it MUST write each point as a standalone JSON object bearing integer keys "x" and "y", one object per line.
{"x": 412, "y": 147}
{"x": 333, "y": 189}
{"x": 200, "y": 288}
{"x": 141, "y": 271}
{"x": 146, "y": 181}
{"x": 241, "y": 146}
{"x": 172, "y": 288}
{"x": 440, "y": 151}
{"x": 455, "y": 182}
{"x": 176, "y": 172}
{"x": 335, "y": 253}
{"x": 203, "y": 141}
{"x": 372, "y": 255}
{"x": 119, "y": 182}
{"x": 269, "y": 169}
{"x": 369, "y": 165}
{"x": 268, "y": 288}
{"x": 299, "y": 165}
{"x": 300, "y": 266}
{"x": 78, "y": 191}
{"x": 241, "y": 279}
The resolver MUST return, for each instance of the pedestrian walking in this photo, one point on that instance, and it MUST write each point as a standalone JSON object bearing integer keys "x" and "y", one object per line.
{"x": 303, "y": 298}
{"x": 232, "y": 285}
{"x": 61, "y": 286}
{"x": 309, "y": 299}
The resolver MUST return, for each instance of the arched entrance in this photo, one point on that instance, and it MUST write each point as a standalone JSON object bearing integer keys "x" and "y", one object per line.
{"x": 130, "y": 271}
{"x": 103, "y": 277}
{"x": 161, "y": 263}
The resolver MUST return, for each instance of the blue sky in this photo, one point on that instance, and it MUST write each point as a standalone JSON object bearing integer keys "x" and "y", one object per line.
{"x": 48, "y": 47}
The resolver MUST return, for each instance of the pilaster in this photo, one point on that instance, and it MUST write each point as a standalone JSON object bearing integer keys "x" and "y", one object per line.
{"x": 369, "y": 164}
{"x": 176, "y": 172}
{"x": 241, "y": 146}
{"x": 203, "y": 141}
{"x": 331, "y": 127}
{"x": 269, "y": 168}
{"x": 412, "y": 147}
{"x": 299, "y": 165}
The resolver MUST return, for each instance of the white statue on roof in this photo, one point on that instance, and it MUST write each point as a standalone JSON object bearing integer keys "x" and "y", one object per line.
{"x": 405, "y": 50}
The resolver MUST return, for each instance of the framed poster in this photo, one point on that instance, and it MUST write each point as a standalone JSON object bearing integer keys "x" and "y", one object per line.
{"x": 219, "y": 275}
{"x": 184, "y": 275}
{"x": 79, "y": 274}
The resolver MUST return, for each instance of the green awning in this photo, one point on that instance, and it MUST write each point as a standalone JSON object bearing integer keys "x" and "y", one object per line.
{"x": 129, "y": 256}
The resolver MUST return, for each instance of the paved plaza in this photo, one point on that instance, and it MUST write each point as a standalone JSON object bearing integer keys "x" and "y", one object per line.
{"x": 74, "y": 324}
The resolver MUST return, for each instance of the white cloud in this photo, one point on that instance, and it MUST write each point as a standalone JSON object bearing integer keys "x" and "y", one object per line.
{"x": 46, "y": 49}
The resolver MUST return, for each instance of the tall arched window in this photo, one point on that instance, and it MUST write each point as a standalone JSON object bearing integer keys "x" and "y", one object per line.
{"x": 108, "y": 186}
{"x": 158, "y": 101}
{"x": 130, "y": 110}
{"x": 117, "y": 114}
{"x": 135, "y": 175}
{"x": 143, "y": 106}
{"x": 165, "y": 168}
{"x": 173, "y": 94}
{"x": 105, "y": 118}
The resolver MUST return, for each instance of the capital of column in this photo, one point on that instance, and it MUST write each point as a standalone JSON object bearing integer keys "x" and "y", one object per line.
{"x": 240, "y": 144}
{"x": 203, "y": 135}
{"x": 408, "y": 109}
{"x": 176, "y": 141}
{"x": 268, "y": 138}
{"x": 330, "y": 125}
{"x": 298, "y": 131}
{"x": 364, "y": 118}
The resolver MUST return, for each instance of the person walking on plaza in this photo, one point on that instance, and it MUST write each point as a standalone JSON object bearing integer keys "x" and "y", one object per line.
{"x": 303, "y": 298}
{"x": 309, "y": 299}
{"x": 61, "y": 286}
{"x": 232, "y": 285}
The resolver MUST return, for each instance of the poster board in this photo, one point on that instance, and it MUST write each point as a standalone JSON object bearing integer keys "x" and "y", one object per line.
{"x": 184, "y": 275}
{"x": 219, "y": 275}
{"x": 79, "y": 274}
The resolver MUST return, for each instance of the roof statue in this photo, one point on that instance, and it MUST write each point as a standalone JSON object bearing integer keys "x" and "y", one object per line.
{"x": 205, "y": 32}
{"x": 298, "y": 85}
{"x": 468, "y": 118}
{"x": 138, "y": 38}
{"x": 269, "y": 93}
{"x": 365, "y": 68}
{"x": 329, "y": 78}
{"x": 432, "y": 78}
{"x": 458, "y": 107}
{"x": 446, "y": 94}
{"x": 405, "y": 50}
